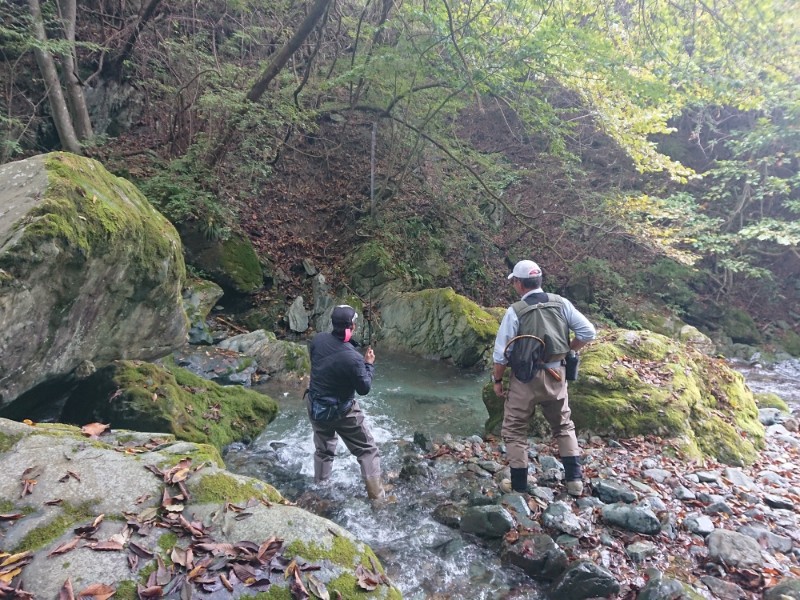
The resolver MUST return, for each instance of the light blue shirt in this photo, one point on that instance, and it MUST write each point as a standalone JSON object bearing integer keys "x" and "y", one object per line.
{"x": 584, "y": 330}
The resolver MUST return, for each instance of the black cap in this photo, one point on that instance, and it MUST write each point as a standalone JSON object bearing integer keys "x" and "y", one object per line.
{"x": 343, "y": 316}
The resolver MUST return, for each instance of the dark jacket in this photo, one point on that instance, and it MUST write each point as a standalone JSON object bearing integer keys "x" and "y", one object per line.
{"x": 337, "y": 369}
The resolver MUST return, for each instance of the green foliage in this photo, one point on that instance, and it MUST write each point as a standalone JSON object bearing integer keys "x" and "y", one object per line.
{"x": 180, "y": 191}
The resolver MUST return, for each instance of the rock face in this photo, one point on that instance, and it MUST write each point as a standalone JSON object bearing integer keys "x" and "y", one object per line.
{"x": 89, "y": 271}
{"x": 437, "y": 323}
{"x": 136, "y": 506}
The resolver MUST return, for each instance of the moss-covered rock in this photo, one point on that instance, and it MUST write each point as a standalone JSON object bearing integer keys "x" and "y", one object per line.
{"x": 639, "y": 382}
{"x": 148, "y": 397}
{"x": 120, "y": 477}
{"x": 279, "y": 359}
{"x": 770, "y": 400}
{"x": 232, "y": 262}
{"x": 740, "y": 327}
{"x": 91, "y": 272}
{"x": 437, "y": 323}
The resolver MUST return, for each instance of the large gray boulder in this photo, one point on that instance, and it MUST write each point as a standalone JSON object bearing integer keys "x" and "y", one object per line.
{"x": 437, "y": 323}
{"x": 89, "y": 272}
{"x": 121, "y": 507}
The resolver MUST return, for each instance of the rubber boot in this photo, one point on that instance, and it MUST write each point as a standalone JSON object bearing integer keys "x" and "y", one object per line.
{"x": 519, "y": 480}
{"x": 573, "y": 475}
{"x": 375, "y": 488}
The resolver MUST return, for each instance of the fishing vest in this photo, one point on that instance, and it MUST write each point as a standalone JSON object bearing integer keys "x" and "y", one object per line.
{"x": 545, "y": 320}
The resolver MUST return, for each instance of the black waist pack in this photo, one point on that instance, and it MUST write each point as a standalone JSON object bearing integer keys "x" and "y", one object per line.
{"x": 326, "y": 408}
{"x": 572, "y": 360}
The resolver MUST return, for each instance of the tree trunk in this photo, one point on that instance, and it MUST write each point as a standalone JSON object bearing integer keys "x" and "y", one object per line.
{"x": 113, "y": 68}
{"x": 279, "y": 60}
{"x": 75, "y": 97}
{"x": 58, "y": 106}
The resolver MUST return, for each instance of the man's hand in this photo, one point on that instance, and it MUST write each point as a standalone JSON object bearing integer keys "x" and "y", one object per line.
{"x": 498, "y": 389}
{"x": 369, "y": 356}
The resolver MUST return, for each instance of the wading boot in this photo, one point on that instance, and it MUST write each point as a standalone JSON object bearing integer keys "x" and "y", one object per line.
{"x": 519, "y": 480}
{"x": 375, "y": 488}
{"x": 573, "y": 475}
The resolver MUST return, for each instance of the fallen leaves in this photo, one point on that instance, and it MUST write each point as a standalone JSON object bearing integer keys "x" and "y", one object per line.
{"x": 95, "y": 430}
{"x": 11, "y": 565}
{"x": 96, "y": 591}
{"x": 29, "y": 479}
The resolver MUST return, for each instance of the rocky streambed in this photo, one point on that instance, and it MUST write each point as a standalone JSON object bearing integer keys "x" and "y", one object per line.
{"x": 651, "y": 524}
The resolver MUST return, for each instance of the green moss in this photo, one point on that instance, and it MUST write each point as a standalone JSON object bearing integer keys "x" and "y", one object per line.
{"x": 222, "y": 487}
{"x": 240, "y": 261}
{"x": 56, "y": 527}
{"x": 275, "y": 592}
{"x": 166, "y": 542}
{"x": 791, "y": 342}
{"x": 147, "y": 570}
{"x": 342, "y": 551}
{"x": 182, "y": 404}
{"x": 7, "y": 441}
{"x": 126, "y": 590}
{"x": 770, "y": 400}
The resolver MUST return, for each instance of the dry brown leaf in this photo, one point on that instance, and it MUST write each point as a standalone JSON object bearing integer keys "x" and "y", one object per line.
{"x": 98, "y": 591}
{"x": 65, "y": 547}
{"x": 66, "y": 593}
{"x": 94, "y": 430}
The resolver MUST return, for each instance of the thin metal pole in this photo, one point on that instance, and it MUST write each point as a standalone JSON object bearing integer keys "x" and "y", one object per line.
{"x": 372, "y": 171}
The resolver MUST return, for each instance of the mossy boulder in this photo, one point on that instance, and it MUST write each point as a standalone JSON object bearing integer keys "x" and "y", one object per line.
{"x": 437, "y": 323}
{"x": 117, "y": 475}
{"x": 231, "y": 262}
{"x": 740, "y": 327}
{"x": 169, "y": 399}
{"x": 90, "y": 272}
{"x": 279, "y": 359}
{"x": 638, "y": 382}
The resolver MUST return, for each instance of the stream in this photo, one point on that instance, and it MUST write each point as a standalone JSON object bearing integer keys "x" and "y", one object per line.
{"x": 410, "y": 395}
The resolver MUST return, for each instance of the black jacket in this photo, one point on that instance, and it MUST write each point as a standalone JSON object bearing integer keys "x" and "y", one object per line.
{"x": 337, "y": 369}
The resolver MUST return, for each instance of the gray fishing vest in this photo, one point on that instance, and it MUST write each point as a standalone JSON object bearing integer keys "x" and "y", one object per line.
{"x": 545, "y": 320}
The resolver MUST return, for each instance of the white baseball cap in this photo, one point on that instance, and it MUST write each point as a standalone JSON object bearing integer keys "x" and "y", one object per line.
{"x": 525, "y": 269}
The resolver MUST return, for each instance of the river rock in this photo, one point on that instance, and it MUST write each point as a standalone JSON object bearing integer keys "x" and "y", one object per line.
{"x": 297, "y": 316}
{"x": 89, "y": 271}
{"x": 199, "y": 297}
{"x": 732, "y": 548}
{"x": 632, "y": 518}
{"x": 487, "y": 521}
{"x": 125, "y": 476}
{"x": 537, "y": 555}
{"x": 789, "y": 589}
{"x": 584, "y": 579}
{"x": 278, "y": 359}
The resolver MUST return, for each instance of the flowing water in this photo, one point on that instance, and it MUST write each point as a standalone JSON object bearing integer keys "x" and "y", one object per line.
{"x": 424, "y": 558}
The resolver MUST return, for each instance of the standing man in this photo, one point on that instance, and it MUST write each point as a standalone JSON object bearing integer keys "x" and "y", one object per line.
{"x": 538, "y": 375}
{"x": 338, "y": 371}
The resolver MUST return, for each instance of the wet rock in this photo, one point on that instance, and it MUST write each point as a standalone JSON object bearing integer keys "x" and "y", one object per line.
{"x": 739, "y": 479}
{"x": 559, "y": 516}
{"x": 657, "y": 475}
{"x": 767, "y": 538}
{"x": 610, "y": 491}
{"x": 639, "y": 551}
{"x": 723, "y": 589}
{"x": 733, "y": 548}
{"x": 707, "y": 476}
{"x": 448, "y": 514}
{"x": 718, "y": 508}
{"x": 631, "y": 518}
{"x": 770, "y": 416}
{"x": 788, "y": 589}
{"x": 662, "y": 589}
{"x": 537, "y": 555}
{"x": 775, "y": 501}
{"x": 699, "y": 524}
{"x": 584, "y": 579}
{"x": 683, "y": 493}
{"x": 487, "y": 521}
